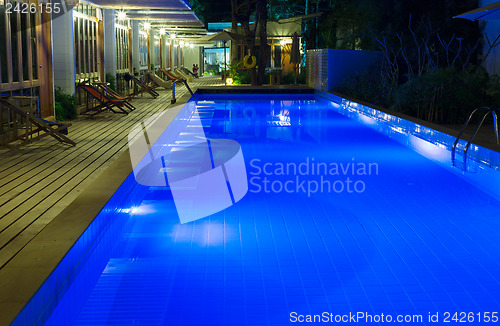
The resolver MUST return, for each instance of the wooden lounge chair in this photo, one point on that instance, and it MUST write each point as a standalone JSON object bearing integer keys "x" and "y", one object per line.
{"x": 167, "y": 84}
{"x": 103, "y": 87}
{"x": 141, "y": 86}
{"x": 183, "y": 75}
{"x": 34, "y": 127}
{"x": 105, "y": 102}
{"x": 189, "y": 72}
{"x": 170, "y": 74}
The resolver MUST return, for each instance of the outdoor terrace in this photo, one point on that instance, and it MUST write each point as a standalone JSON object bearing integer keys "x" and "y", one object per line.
{"x": 39, "y": 180}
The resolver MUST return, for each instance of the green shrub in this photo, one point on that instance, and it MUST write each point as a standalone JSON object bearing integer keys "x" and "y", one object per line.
{"x": 446, "y": 95}
{"x": 289, "y": 78}
{"x": 111, "y": 79}
{"x": 242, "y": 77}
{"x": 65, "y": 105}
{"x": 368, "y": 87}
{"x": 301, "y": 78}
{"x": 234, "y": 68}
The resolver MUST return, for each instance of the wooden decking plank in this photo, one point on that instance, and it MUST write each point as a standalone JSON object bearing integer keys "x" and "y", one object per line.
{"x": 83, "y": 130}
{"x": 74, "y": 132}
{"x": 64, "y": 174}
{"x": 6, "y": 183}
{"x": 41, "y": 207}
{"x": 26, "y": 164}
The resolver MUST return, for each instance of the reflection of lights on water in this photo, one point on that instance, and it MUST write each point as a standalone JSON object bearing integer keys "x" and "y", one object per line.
{"x": 283, "y": 118}
{"x": 398, "y": 129}
{"x": 437, "y": 152}
{"x": 367, "y": 120}
{"x": 209, "y": 233}
{"x": 134, "y": 210}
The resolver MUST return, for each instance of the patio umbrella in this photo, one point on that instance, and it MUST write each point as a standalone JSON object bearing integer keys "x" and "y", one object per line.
{"x": 488, "y": 12}
{"x": 295, "y": 54}
{"x": 225, "y": 36}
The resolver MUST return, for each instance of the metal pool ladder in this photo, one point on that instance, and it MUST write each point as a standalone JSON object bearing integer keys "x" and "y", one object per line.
{"x": 173, "y": 100}
{"x": 489, "y": 111}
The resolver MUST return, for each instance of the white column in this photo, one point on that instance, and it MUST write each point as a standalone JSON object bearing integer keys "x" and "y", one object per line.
{"x": 135, "y": 46}
{"x": 151, "y": 48}
{"x": 109, "y": 41}
{"x": 63, "y": 54}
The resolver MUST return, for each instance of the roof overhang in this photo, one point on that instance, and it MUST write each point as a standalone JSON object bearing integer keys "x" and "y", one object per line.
{"x": 488, "y": 12}
{"x": 144, "y": 4}
{"x": 167, "y": 18}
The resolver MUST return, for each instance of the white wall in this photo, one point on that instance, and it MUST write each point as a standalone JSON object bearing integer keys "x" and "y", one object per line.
{"x": 191, "y": 56}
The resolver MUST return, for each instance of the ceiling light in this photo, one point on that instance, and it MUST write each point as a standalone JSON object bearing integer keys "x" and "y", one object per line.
{"x": 122, "y": 15}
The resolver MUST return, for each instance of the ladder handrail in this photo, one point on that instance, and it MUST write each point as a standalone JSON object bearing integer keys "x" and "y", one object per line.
{"x": 474, "y": 134}
{"x": 463, "y": 129}
{"x": 173, "y": 100}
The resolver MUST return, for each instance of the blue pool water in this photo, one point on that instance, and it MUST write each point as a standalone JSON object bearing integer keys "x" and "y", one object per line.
{"x": 398, "y": 235}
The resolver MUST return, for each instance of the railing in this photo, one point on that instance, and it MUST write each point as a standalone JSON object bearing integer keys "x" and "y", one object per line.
{"x": 173, "y": 100}
{"x": 492, "y": 111}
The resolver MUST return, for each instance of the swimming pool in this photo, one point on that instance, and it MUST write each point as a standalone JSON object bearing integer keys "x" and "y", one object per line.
{"x": 339, "y": 222}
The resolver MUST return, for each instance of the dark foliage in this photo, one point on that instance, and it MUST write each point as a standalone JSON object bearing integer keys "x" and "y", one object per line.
{"x": 111, "y": 79}
{"x": 65, "y": 105}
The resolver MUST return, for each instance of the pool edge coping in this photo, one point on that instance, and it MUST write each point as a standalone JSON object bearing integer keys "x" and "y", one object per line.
{"x": 29, "y": 270}
{"x": 92, "y": 202}
{"x": 438, "y": 127}
{"x": 23, "y": 276}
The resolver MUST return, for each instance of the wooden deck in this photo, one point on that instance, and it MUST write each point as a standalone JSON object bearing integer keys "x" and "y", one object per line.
{"x": 39, "y": 180}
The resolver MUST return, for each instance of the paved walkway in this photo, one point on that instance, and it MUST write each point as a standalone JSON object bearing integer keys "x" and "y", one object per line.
{"x": 39, "y": 180}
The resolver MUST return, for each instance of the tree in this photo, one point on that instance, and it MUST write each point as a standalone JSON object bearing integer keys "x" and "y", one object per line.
{"x": 241, "y": 12}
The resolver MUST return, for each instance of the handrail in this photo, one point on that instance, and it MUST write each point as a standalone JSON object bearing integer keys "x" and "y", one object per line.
{"x": 466, "y": 149}
{"x": 173, "y": 100}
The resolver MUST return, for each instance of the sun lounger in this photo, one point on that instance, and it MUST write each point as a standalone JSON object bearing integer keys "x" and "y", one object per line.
{"x": 34, "y": 127}
{"x": 105, "y": 102}
{"x": 103, "y": 87}
{"x": 170, "y": 74}
{"x": 141, "y": 86}
{"x": 160, "y": 82}
{"x": 183, "y": 75}
{"x": 189, "y": 72}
